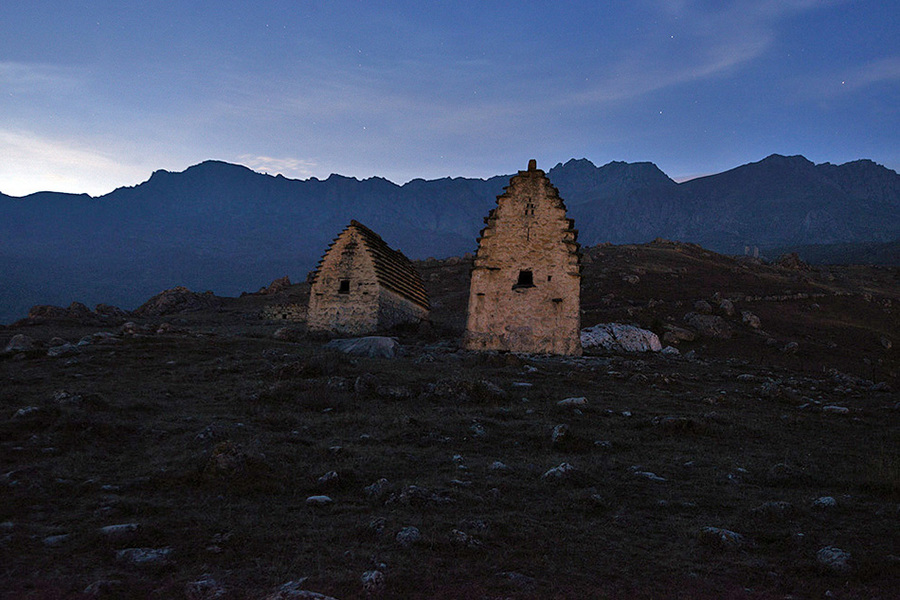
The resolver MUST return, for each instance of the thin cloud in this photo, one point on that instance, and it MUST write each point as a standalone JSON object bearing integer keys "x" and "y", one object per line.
{"x": 293, "y": 167}
{"x": 17, "y": 77}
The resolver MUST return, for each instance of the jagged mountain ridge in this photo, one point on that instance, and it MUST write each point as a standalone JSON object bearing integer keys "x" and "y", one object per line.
{"x": 225, "y": 227}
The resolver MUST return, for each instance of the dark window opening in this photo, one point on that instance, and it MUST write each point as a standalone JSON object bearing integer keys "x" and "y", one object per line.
{"x": 549, "y": 277}
{"x": 283, "y": 316}
{"x": 526, "y": 279}
{"x": 345, "y": 287}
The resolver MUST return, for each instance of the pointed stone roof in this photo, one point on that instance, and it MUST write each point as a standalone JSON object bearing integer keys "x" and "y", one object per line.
{"x": 393, "y": 270}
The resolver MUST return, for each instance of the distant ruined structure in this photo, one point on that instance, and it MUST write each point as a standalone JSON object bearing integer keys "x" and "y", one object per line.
{"x": 525, "y": 291}
{"x": 361, "y": 285}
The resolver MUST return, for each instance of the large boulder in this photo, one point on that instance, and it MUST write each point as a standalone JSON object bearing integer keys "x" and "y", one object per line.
{"x": 617, "y": 337}
{"x": 709, "y": 326}
{"x": 279, "y": 285}
{"x": 176, "y": 300}
{"x": 372, "y": 346}
{"x": 19, "y": 343}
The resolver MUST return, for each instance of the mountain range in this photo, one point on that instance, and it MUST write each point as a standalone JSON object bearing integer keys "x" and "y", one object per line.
{"x": 226, "y": 228}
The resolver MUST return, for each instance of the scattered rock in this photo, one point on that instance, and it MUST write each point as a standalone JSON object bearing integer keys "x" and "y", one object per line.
{"x": 748, "y": 318}
{"x": 373, "y": 346}
{"x": 65, "y": 349}
{"x": 119, "y": 530}
{"x": 790, "y": 348}
{"x": 727, "y": 307}
{"x": 104, "y": 588}
{"x": 319, "y": 501}
{"x": 573, "y": 402}
{"x": 710, "y": 326}
{"x": 558, "y": 473}
{"x": 560, "y": 435}
{"x": 205, "y": 588}
{"x": 616, "y": 337}
{"x": 703, "y": 307}
{"x": 292, "y": 590}
{"x": 833, "y": 559}
{"x": 329, "y": 479}
{"x": 723, "y": 538}
{"x": 675, "y": 334}
{"x": 774, "y": 508}
{"x": 463, "y": 539}
{"x": 373, "y": 583}
{"x": 377, "y": 490}
{"x": 25, "y": 412}
{"x": 144, "y": 556}
{"x": 19, "y": 343}
{"x": 408, "y": 536}
{"x": 838, "y": 410}
{"x": 478, "y": 430}
{"x": 498, "y": 466}
{"x": 637, "y": 472}
{"x": 825, "y": 502}
{"x": 56, "y": 540}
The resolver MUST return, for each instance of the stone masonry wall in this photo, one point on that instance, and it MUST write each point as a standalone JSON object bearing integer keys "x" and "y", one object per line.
{"x": 527, "y": 232}
{"x": 356, "y": 311}
{"x": 288, "y": 312}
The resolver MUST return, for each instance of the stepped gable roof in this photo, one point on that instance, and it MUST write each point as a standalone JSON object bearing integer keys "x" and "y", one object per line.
{"x": 393, "y": 270}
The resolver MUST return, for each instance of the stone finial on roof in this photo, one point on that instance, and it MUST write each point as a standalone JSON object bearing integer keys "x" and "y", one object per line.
{"x": 532, "y": 165}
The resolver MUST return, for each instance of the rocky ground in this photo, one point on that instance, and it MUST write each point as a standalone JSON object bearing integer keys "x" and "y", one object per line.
{"x": 190, "y": 450}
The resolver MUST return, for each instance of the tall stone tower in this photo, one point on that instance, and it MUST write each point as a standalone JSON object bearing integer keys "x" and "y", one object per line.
{"x": 525, "y": 292}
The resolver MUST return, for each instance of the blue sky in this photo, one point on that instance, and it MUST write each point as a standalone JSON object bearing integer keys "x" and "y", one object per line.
{"x": 97, "y": 95}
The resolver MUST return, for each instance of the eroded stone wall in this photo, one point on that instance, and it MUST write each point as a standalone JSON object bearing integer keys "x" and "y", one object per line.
{"x": 526, "y": 280}
{"x": 286, "y": 312}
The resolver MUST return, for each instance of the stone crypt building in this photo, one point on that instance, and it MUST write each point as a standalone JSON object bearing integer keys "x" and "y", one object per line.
{"x": 361, "y": 285}
{"x": 525, "y": 292}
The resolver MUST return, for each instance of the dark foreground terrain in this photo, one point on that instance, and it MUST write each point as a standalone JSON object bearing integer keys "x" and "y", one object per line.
{"x": 203, "y": 434}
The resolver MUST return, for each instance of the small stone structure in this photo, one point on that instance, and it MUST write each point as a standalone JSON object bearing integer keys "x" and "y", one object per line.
{"x": 525, "y": 291}
{"x": 289, "y": 312}
{"x": 361, "y": 285}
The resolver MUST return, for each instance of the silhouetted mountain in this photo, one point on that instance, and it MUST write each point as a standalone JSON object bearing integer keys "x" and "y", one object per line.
{"x": 224, "y": 227}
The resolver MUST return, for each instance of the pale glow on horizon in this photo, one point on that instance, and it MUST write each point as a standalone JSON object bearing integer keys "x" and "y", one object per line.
{"x": 35, "y": 164}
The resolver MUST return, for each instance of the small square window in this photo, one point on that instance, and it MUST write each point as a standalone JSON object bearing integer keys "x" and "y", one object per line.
{"x": 345, "y": 287}
{"x": 526, "y": 279}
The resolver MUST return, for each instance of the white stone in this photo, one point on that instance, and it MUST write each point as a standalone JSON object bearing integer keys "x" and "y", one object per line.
{"x": 572, "y": 402}
{"x": 559, "y": 472}
{"x": 825, "y": 502}
{"x": 319, "y": 500}
{"x": 724, "y": 537}
{"x": 119, "y": 529}
{"x": 498, "y": 466}
{"x": 617, "y": 337}
{"x": 838, "y": 410}
{"x": 19, "y": 343}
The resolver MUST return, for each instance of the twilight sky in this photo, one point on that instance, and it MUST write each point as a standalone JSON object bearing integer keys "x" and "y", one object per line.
{"x": 98, "y": 94}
